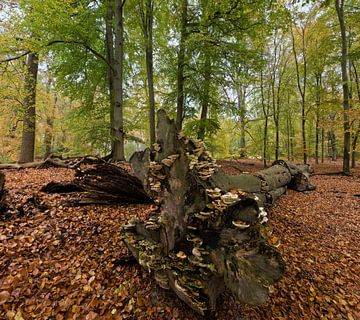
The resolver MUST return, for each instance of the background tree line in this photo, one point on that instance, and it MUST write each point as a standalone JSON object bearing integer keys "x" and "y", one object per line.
{"x": 262, "y": 79}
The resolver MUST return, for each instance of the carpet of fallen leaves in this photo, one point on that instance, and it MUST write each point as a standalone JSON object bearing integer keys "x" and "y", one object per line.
{"x": 60, "y": 262}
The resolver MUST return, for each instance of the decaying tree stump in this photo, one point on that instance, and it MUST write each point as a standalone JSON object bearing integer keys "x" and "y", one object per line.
{"x": 209, "y": 231}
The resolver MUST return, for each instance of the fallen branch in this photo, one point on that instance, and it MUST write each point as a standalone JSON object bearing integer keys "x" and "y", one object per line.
{"x": 55, "y": 161}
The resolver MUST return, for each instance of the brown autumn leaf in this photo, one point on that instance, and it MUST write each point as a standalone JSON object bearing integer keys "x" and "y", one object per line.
{"x": 4, "y": 297}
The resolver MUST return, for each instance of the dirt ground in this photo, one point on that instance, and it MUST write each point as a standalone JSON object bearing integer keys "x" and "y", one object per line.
{"x": 60, "y": 262}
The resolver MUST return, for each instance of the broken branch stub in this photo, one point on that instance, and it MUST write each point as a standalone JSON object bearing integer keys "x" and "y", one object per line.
{"x": 209, "y": 231}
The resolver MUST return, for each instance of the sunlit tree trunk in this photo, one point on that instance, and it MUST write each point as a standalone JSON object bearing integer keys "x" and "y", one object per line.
{"x": 28, "y": 134}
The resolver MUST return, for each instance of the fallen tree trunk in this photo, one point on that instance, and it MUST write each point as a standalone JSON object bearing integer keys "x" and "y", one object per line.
{"x": 209, "y": 231}
{"x": 54, "y": 161}
{"x": 111, "y": 183}
{"x": 36, "y": 164}
{"x": 103, "y": 184}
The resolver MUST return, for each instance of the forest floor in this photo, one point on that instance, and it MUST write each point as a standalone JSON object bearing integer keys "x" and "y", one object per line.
{"x": 60, "y": 262}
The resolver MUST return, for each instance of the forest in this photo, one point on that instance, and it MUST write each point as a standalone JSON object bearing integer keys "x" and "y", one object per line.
{"x": 112, "y": 205}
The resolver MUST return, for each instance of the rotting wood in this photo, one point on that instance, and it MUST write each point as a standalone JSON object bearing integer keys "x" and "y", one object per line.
{"x": 102, "y": 184}
{"x": 209, "y": 231}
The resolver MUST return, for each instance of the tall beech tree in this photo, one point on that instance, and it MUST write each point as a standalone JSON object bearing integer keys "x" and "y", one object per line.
{"x": 29, "y": 118}
{"x": 118, "y": 72}
{"x": 301, "y": 78}
{"x": 147, "y": 21}
{"x": 339, "y": 6}
{"x": 181, "y": 64}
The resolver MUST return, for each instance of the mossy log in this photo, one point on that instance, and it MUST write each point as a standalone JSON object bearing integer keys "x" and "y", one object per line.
{"x": 210, "y": 230}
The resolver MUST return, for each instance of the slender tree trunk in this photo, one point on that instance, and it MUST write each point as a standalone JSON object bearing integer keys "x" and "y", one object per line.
{"x": 292, "y": 131}
{"x": 118, "y": 129}
{"x": 353, "y": 146}
{"x": 109, "y": 47}
{"x": 147, "y": 27}
{"x": 339, "y": 5}
{"x": 287, "y": 138}
{"x": 241, "y": 93}
{"x": 302, "y": 89}
{"x": 49, "y": 131}
{"x": 356, "y": 135}
{"x": 288, "y": 129}
{"x": 332, "y": 145}
{"x": 317, "y": 126}
{"x": 180, "y": 66}
{"x": 205, "y": 97}
{"x": 28, "y": 134}
{"x": 265, "y": 108}
{"x": 48, "y": 136}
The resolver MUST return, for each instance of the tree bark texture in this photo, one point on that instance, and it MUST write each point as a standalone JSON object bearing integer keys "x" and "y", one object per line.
{"x": 118, "y": 129}
{"x": 181, "y": 64}
{"x": 109, "y": 47}
{"x": 339, "y": 6}
{"x": 28, "y": 134}
{"x": 302, "y": 88}
{"x": 148, "y": 35}
{"x": 209, "y": 230}
{"x": 205, "y": 96}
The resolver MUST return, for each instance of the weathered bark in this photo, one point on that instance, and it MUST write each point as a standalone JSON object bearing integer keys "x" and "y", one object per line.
{"x": 28, "y": 135}
{"x": 181, "y": 64}
{"x": 104, "y": 184}
{"x": 61, "y": 187}
{"x": 209, "y": 230}
{"x": 339, "y": 6}
{"x": 111, "y": 183}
